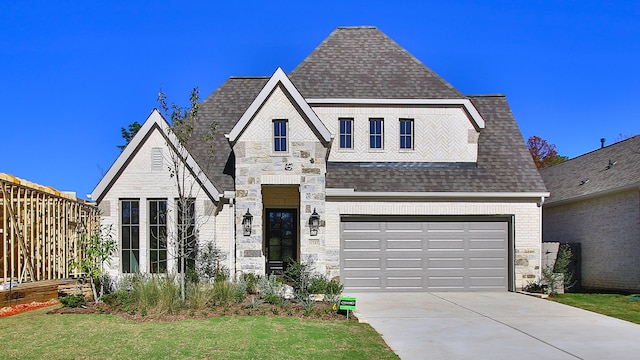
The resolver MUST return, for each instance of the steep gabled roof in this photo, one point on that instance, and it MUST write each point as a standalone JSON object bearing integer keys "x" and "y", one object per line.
{"x": 504, "y": 164}
{"x": 612, "y": 168}
{"x": 279, "y": 78}
{"x": 154, "y": 122}
{"x": 362, "y": 62}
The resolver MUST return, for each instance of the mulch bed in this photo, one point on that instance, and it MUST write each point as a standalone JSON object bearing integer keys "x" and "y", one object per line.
{"x": 321, "y": 311}
{"x": 16, "y": 309}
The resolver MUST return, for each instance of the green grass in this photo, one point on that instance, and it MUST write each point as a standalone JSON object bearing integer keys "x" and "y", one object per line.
{"x": 613, "y": 305}
{"x": 36, "y": 335}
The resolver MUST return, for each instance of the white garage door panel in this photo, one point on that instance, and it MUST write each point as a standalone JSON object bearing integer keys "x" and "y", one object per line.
{"x": 424, "y": 256}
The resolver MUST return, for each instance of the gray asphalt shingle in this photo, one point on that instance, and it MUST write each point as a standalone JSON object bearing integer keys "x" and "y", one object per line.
{"x": 590, "y": 173}
{"x": 362, "y": 62}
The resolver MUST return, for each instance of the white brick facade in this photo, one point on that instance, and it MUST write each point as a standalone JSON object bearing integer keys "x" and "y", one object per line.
{"x": 140, "y": 181}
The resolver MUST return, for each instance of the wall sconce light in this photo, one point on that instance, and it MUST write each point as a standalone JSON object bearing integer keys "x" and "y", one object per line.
{"x": 314, "y": 223}
{"x": 246, "y": 223}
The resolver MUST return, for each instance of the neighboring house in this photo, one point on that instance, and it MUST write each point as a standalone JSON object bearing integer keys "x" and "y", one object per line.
{"x": 414, "y": 186}
{"x": 595, "y": 201}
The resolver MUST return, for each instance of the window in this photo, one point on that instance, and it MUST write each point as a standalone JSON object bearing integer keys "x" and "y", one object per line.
{"x": 280, "y": 135}
{"x": 130, "y": 235}
{"x": 346, "y": 133}
{"x": 375, "y": 133}
{"x": 406, "y": 133}
{"x": 157, "y": 236}
{"x": 187, "y": 236}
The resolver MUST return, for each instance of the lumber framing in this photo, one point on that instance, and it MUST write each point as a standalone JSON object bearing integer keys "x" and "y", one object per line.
{"x": 40, "y": 230}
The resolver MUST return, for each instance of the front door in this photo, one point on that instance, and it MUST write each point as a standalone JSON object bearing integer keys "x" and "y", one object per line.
{"x": 281, "y": 238}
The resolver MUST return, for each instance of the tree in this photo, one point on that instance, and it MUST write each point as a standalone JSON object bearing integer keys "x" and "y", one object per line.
{"x": 96, "y": 248}
{"x": 543, "y": 153}
{"x": 128, "y": 134}
{"x": 184, "y": 121}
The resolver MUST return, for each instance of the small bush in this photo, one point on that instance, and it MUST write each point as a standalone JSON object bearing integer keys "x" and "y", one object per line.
{"x": 271, "y": 289}
{"x": 224, "y": 292}
{"x": 251, "y": 280}
{"x": 119, "y": 297}
{"x": 73, "y": 301}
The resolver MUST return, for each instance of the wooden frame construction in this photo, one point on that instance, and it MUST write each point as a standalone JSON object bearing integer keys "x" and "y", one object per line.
{"x": 40, "y": 230}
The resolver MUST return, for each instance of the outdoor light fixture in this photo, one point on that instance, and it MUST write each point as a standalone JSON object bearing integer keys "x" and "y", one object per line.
{"x": 246, "y": 223}
{"x": 314, "y": 223}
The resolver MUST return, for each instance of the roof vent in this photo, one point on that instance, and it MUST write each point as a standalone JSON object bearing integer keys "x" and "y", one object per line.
{"x": 583, "y": 182}
{"x": 611, "y": 163}
{"x": 601, "y": 143}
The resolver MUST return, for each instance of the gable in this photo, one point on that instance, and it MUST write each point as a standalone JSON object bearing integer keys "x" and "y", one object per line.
{"x": 279, "y": 80}
{"x": 138, "y": 157}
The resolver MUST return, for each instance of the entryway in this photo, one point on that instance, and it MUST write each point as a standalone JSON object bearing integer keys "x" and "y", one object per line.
{"x": 281, "y": 237}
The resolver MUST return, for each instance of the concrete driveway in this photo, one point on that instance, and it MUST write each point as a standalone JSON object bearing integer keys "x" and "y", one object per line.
{"x": 494, "y": 326}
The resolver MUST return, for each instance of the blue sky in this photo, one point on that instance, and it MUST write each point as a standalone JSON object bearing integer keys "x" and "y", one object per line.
{"x": 73, "y": 73}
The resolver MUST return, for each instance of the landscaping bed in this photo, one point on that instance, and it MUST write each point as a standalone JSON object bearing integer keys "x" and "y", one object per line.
{"x": 321, "y": 311}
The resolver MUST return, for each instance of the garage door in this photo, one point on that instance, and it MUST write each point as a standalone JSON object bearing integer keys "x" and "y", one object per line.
{"x": 424, "y": 255}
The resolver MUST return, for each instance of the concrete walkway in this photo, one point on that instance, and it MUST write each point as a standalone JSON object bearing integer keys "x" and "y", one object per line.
{"x": 494, "y": 326}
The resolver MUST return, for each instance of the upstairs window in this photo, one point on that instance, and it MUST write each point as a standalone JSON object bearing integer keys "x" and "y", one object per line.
{"x": 375, "y": 133}
{"x": 346, "y": 133}
{"x": 130, "y": 235}
{"x": 406, "y": 134}
{"x": 280, "y": 135}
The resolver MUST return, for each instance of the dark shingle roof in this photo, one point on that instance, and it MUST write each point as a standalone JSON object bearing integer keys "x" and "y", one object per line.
{"x": 362, "y": 62}
{"x": 565, "y": 180}
{"x": 504, "y": 163}
{"x": 223, "y": 107}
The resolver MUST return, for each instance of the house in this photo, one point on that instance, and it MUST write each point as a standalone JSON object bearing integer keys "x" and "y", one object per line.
{"x": 595, "y": 201}
{"x": 362, "y": 160}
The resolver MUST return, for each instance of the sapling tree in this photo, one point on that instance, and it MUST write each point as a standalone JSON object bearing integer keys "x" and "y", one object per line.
{"x": 96, "y": 248}
{"x": 183, "y": 123}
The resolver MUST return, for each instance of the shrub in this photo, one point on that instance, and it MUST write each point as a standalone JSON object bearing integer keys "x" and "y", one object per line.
{"x": 271, "y": 289}
{"x": 224, "y": 292}
{"x": 199, "y": 296}
{"x": 118, "y": 297}
{"x": 73, "y": 301}
{"x": 251, "y": 281}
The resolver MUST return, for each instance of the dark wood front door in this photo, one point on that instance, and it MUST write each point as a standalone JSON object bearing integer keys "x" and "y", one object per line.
{"x": 281, "y": 238}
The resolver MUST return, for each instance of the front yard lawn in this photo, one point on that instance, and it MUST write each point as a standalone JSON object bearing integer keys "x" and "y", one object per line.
{"x": 614, "y": 305}
{"x": 37, "y": 335}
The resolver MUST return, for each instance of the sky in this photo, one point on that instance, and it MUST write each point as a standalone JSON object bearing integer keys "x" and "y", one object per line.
{"x": 73, "y": 73}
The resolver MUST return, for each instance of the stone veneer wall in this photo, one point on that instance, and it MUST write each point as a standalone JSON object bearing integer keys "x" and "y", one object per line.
{"x": 608, "y": 229}
{"x": 257, "y": 165}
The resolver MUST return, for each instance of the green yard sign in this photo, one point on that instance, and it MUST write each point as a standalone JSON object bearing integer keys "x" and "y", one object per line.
{"x": 348, "y": 303}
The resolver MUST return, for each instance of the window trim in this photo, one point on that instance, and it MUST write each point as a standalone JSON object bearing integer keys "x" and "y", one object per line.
{"x": 277, "y": 137}
{"x": 342, "y": 134}
{"x": 410, "y": 135}
{"x": 379, "y": 135}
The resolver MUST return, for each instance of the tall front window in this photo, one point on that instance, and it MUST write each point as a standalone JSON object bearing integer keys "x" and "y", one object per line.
{"x": 187, "y": 236}
{"x": 130, "y": 235}
{"x": 406, "y": 133}
{"x": 375, "y": 133}
{"x": 280, "y": 135}
{"x": 157, "y": 236}
{"x": 346, "y": 133}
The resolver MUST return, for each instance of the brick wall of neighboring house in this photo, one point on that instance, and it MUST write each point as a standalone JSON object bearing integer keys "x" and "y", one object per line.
{"x": 139, "y": 180}
{"x": 527, "y": 226}
{"x": 608, "y": 229}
